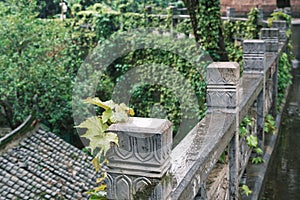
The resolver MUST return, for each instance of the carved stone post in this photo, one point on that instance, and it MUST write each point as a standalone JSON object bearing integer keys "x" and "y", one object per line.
{"x": 138, "y": 166}
{"x": 255, "y": 62}
{"x": 222, "y": 83}
{"x": 230, "y": 12}
{"x": 222, "y": 96}
{"x": 254, "y": 56}
{"x": 282, "y": 27}
{"x": 271, "y": 38}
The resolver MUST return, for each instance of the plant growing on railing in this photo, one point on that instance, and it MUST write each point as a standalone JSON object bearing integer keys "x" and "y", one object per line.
{"x": 101, "y": 140}
{"x": 270, "y": 124}
{"x": 246, "y": 190}
{"x": 279, "y": 15}
{"x": 284, "y": 66}
{"x": 251, "y": 140}
{"x": 284, "y": 78}
{"x": 240, "y": 30}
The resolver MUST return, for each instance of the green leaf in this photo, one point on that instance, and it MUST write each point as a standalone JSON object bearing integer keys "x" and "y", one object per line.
{"x": 106, "y": 115}
{"x": 257, "y": 160}
{"x": 258, "y": 150}
{"x": 252, "y": 141}
{"x": 96, "y": 134}
{"x": 95, "y": 127}
{"x": 96, "y": 164}
{"x": 96, "y": 101}
{"x": 246, "y": 190}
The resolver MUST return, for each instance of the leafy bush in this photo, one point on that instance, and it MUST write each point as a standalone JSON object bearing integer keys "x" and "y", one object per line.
{"x": 37, "y": 64}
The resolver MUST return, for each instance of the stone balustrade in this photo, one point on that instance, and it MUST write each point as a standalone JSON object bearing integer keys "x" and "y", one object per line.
{"x": 144, "y": 166}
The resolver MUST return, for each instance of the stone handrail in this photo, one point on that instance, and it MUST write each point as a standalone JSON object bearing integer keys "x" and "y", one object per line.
{"x": 144, "y": 166}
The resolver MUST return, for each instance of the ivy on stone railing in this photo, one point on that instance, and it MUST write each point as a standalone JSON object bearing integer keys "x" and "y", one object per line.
{"x": 251, "y": 140}
{"x": 236, "y": 31}
{"x": 101, "y": 140}
{"x": 284, "y": 78}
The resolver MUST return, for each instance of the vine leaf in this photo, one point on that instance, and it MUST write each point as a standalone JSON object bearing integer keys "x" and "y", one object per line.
{"x": 96, "y": 164}
{"x": 96, "y": 134}
{"x": 246, "y": 190}
{"x": 106, "y": 115}
{"x": 97, "y": 102}
{"x": 252, "y": 141}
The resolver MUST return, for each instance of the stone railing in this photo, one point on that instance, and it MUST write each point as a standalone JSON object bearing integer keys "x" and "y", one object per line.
{"x": 144, "y": 165}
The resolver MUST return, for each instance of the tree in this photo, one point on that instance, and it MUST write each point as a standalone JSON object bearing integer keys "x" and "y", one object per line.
{"x": 207, "y": 26}
{"x": 37, "y": 67}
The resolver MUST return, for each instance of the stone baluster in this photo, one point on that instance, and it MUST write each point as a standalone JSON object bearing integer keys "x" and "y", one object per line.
{"x": 222, "y": 83}
{"x": 138, "y": 166}
{"x": 287, "y": 10}
{"x": 230, "y": 12}
{"x": 271, "y": 38}
{"x": 222, "y": 96}
{"x": 282, "y": 27}
{"x": 255, "y": 63}
{"x": 254, "y": 56}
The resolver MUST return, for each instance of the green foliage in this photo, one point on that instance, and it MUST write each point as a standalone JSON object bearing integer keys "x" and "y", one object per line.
{"x": 257, "y": 160}
{"x": 284, "y": 66}
{"x": 245, "y": 125}
{"x": 37, "y": 63}
{"x": 240, "y": 30}
{"x": 97, "y": 126}
{"x": 270, "y": 124}
{"x": 209, "y": 23}
{"x": 251, "y": 140}
{"x": 246, "y": 190}
{"x": 279, "y": 15}
{"x": 284, "y": 78}
{"x": 223, "y": 157}
{"x": 99, "y": 139}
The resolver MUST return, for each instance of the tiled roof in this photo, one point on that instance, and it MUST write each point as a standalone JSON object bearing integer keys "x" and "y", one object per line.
{"x": 43, "y": 166}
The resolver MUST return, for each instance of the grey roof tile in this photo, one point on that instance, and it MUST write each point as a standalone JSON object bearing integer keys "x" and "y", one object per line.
{"x": 43, "y": 166}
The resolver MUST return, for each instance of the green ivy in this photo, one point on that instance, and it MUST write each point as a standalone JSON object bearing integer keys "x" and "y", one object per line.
{"x": 284, "y": 78}
{"x": 240, "y": 30}
{"x": 251, "y": 140}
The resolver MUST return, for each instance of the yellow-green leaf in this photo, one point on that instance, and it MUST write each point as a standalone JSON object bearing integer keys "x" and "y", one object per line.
{"x": 106, "y": 115}
{"x": 96, "y": 164}
{"x": 95, "y": 127}
{"x": 99, "y": 180}
{"x": 100, "y": 188}
{"x": 131, "y": 112}
{"x": 96, "y": 101}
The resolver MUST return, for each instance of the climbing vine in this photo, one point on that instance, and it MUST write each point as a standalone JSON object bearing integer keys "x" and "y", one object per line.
{"x": 99, "y": 139}
{"x": 235, "y": 31}
{"x": 251, "y": 140}
{"x": 284, "y": 78}
{"x": 284, "y": 65}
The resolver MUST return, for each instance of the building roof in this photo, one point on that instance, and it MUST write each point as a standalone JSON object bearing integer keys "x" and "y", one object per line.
{"x": 43, "y": 166}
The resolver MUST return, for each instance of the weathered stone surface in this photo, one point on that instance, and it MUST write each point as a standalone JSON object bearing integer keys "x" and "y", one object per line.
{"x": 271, "y": 38}
{"x": 281, "y": 25}
{"x": 196, "y": 155}
{"x": 254, "y": 56}
{"x": 142, "y": 159}
{"x": 222, "y": 82}
{"x": 144, "y": 146}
